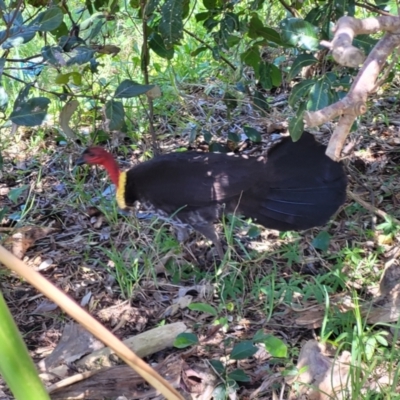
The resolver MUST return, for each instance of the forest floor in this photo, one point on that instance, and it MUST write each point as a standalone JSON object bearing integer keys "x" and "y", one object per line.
{"x": 323, "y": 284}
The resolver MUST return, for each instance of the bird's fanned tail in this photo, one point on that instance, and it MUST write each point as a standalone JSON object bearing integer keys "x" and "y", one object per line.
{"x": 303, "y": 187}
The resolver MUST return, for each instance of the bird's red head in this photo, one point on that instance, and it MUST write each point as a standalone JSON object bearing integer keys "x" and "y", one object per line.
{"x": 98, "y": 156}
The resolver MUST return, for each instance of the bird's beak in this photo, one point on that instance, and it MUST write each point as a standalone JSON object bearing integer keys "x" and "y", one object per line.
{"x": 80, "y": 161}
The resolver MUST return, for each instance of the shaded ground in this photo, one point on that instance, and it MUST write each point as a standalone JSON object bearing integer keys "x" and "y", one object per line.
{"x": 278, "y": 283}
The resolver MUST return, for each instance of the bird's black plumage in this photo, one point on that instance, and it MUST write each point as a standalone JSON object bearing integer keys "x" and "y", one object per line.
{"x": 296, "y": 187}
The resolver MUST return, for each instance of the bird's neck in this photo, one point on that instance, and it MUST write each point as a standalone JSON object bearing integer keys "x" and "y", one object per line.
{"x": 112, "y": 168}
{"x": 118, "y": 178}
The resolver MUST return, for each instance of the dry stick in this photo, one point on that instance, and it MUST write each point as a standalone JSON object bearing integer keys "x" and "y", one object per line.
{"x": 370, "y": 207}
{"x": 87, "y": 321}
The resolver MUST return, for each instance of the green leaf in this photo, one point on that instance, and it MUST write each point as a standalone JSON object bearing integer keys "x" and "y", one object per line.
{"x": 207, "y": 136}
{"x": 82, "y": 55}
{"x": 156, "y": 43}
{"x": 127, "y": 89}
{"x": 218, "y": 366}
{"x": 275, "y": 346}
{"x": 253, "y": 134}
{"x": 49, "y": 20}
{"x": 301, "y": 61}
{"x": 206, "y": 308}
{"x": 270, "y": 75}
{"x": 299, "y": 33}
{"x": 233, "y": 137}
{"x": 171, "y": 25}
{"x": 253, "y": 232}
{"x": 30, "y": 113}
{"x": 233, "y": 40}
{"x": 53, "y": 55}
{"x": 252, "y": 57}
{"x": 321, "y": 241}
{"x": 115, "y": 113}
{"x": 151, "y": 6}
{"x": 16, "y": 366}
{"x": 17, "y": 36}
{"x": 366, "y": 42}
{"x": 299, "y": 91}
{"x": 260, "y": 102}
{"x": 296, "y": 126}
{"x": 185, "y": 339}
{"x": 239, "y": 375}
{"x": 210, "y": 4}
{"x": 203, "y": 16}
{"x": 199, "y": 50}
{"x": 257, "y": 29}
{"x": 243, "y": 350}
{"x": 320, "y": 95}
{"x": 14, "y": 194}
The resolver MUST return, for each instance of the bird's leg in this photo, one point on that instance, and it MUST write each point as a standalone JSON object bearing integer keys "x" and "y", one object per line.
{"x": 182, "y": 234}
{"x": 209, "y": 232}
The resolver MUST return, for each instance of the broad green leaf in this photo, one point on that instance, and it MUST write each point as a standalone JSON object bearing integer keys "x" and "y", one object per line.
{"x": 239, "y": 375}
{"x": 321, "y": 241}
{"x": 320, "y": 96}
{"x": 53, "y": 55}
{"x": 62, "y": 30}
{"x": 254, "y": 232}
{"x": 257, "y": 29}
{"x": 210, "y": 4}
{"x": 30, "y": 113}
{"x": 233, "y": 40}
{"x": 151, "y": 6}
{"x": 275, "y": 346}
{"x": 156, "y": 43}
{"x": 14, "y": 194}
{"x": 233, "y": 137}
{"x": 300, "y": 91}
{"x": 185, "y": 339}
{"x": 229, "y": 23}
{"x": 171, "y": 25}
{"x": 63, "y": 79}
{"x": 243, "y": 350}
{"x": 68, "y": 43}
{"x": 81, "y": 55}
{"x": 218, "y": 366}
{"x": 205, "y": 308}
{"x": 115, "y": 113}
{"x": 203, "y": 16}
{"x": 296, "y": 126}
{"x": 127, "y": 89}
{"x": 260, "y": 102}
{"x": 252, "y": 57}
{"x": 253, "y": 134}
{"x": 16, "y": 366}
{"x": 199, "y": 50}
{"x": 23, "y": 95}
{"x": 269, "y": 75}
{"x": 301, "y": 61}
{"x": 344, "y": 7}
{"x": 299, "y": 33}
{"x": 17, "y": 36}
{"x": 49, "y": 20}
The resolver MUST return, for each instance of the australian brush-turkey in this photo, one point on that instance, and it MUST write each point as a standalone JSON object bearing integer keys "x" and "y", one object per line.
{"x": 297, "y": 187}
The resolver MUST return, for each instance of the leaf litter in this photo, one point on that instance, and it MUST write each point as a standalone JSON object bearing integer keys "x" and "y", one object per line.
{"x": 65, "y": 232}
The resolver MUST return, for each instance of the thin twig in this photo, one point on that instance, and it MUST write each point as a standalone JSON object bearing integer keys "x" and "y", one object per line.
{"x": 145, "y": 70}
{"x": 370, "y": 207}
{"x": 226, "y": 61}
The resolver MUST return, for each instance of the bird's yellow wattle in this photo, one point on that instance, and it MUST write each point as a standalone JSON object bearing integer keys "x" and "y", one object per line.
{"x": 120, "y": 195}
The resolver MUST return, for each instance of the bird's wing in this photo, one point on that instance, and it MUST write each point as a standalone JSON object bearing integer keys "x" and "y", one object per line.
{"x": 194, "y": 179}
